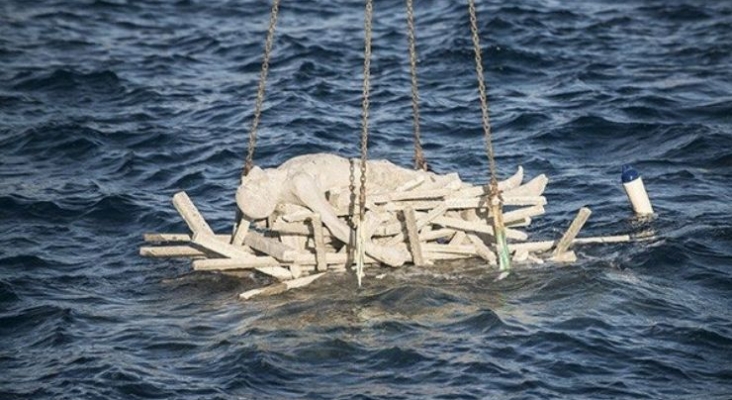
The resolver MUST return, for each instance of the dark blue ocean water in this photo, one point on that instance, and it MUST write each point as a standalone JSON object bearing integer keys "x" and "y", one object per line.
{"x": 109, "y": 107}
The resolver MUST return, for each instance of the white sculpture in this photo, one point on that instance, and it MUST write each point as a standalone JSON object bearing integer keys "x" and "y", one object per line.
{"x": 435, "y": 217}
{"x": 304, "y": 180}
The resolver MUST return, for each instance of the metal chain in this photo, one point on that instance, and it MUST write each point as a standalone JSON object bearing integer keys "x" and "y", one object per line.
{"x": 365, "y": 106}
{"x": 249, "y": 163}
{"x": 495, "y": 201}
{"x": 360, "y": 233}
{"x": 483, "y": 99}
{"x": 419, "y": 161}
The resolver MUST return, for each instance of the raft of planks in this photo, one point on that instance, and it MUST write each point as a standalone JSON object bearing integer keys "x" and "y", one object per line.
{"x": 432, "y": 224}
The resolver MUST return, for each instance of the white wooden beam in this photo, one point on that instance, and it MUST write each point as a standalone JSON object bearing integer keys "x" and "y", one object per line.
{"x": 572, "y": 231}
{"x": 190, "y": 214}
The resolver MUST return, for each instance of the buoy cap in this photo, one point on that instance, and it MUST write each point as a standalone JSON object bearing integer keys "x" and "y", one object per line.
{"x": 629, "y": 174}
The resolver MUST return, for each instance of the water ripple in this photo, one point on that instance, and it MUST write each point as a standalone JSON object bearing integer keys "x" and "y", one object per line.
{"x": 110, "y": 107}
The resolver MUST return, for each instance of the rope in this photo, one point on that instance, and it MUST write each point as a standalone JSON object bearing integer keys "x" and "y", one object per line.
{"x": 360, "y": 239}
{"x": 495, "y": 201}
{"x": 249, "y": 163}
{"x": 483, "y": 98}
{"x": 419, "y": 161}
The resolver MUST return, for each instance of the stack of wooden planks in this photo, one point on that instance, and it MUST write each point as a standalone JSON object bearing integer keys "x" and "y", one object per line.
{"x": 294, "y": 247}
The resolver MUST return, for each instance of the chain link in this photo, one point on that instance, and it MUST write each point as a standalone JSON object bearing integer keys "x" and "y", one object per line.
{"x": 365, "y": 107}
{"x": 419, "y": 161}
{"x": 483, "y": 98}
{"x": 495, "y": 200}
{"x": 249, "y": 163}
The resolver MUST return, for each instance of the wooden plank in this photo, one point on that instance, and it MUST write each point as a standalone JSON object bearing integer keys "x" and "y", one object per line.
{"x": 513, "y": 181}
{"x": 177, "y": 237}
{"x": 413, "y": 235}
{"x": 522, "y": 213}
{"x": 209, "y": 242}
{"x": 390, "y": 230}
{"x": 520, "y": 256}
{"x": 301, "y": 229}
{"x": 296, "y": 242}
{"x": 167, "y": 237}
{"x": 458, "y": 238}
{"x": 310, "y": 269}
{"x": 534, "y": 259}
{"x": 280, "y": 287}
{"x": 464, "y": 203}
{"x": 269, "y": 246}
{"x": 479, "y": 227}
{"x": 450, "y": 182}
{"x": 421, "y": 222}
{"x": 565, "y": 257}
{"x": 410, "y": 195}
{"x": 227, "y": 250}
{"x": 296, "y": 271}
{"x": 439, "y": 256}
{"x": 409, "y": 185}
{"x": 604, "y": 239}
{"x": 532, "y": 246}
{"x": 171, "y": 251}
{"x": 317, "y": 226}
{"x": 276, "y": 272}
{"x": 510, "y": 200}
{"x": 533, "y": 187}
{"x": 223, "y": 264}
{"x": 572, "y": 231}
{"x": 434, "y": 213}
{"x": 241, "y": 231}
{"x": 546, "y": 245}
{"x": 283, "y": 227}
{"x": 190, "y": 214}
{"x": 436, "y": 234}
{"x": 372, "y": 220}
{"x": 483, "y": 251}
{"x": 305, "y": 261}
{"x": 450, "y": 249}
{"x": 523, "y": 222}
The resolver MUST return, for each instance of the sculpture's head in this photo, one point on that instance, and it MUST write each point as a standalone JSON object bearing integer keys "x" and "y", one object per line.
{"x": 258, "y": 194}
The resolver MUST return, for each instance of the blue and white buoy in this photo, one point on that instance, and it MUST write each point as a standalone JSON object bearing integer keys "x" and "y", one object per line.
{"x": 636, "y": 191}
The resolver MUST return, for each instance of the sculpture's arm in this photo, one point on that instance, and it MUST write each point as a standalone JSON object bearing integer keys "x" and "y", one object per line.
{"x": 312, "y": 196}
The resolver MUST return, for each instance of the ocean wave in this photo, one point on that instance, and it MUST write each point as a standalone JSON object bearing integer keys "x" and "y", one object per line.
{"x": 111, "y": 107}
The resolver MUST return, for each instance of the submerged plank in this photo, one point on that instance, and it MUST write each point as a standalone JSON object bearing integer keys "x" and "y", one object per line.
{"x": 413, "y": 235}
{"x": 546, "y": 245}
{"x": 280, "y": 287}
{"x": 223, "y": 264}
{"x": 317, "y": 226}
{"x": 572, "y": 231}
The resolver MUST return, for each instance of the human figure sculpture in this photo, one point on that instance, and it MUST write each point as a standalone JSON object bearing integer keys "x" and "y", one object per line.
{"x": 304, "y": 180}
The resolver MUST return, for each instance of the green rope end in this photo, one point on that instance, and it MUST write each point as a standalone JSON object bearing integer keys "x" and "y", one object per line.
{"x": 504, "y": 259}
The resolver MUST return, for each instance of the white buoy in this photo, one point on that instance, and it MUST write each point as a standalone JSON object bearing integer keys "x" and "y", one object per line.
{"x": 636, "y": 191}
